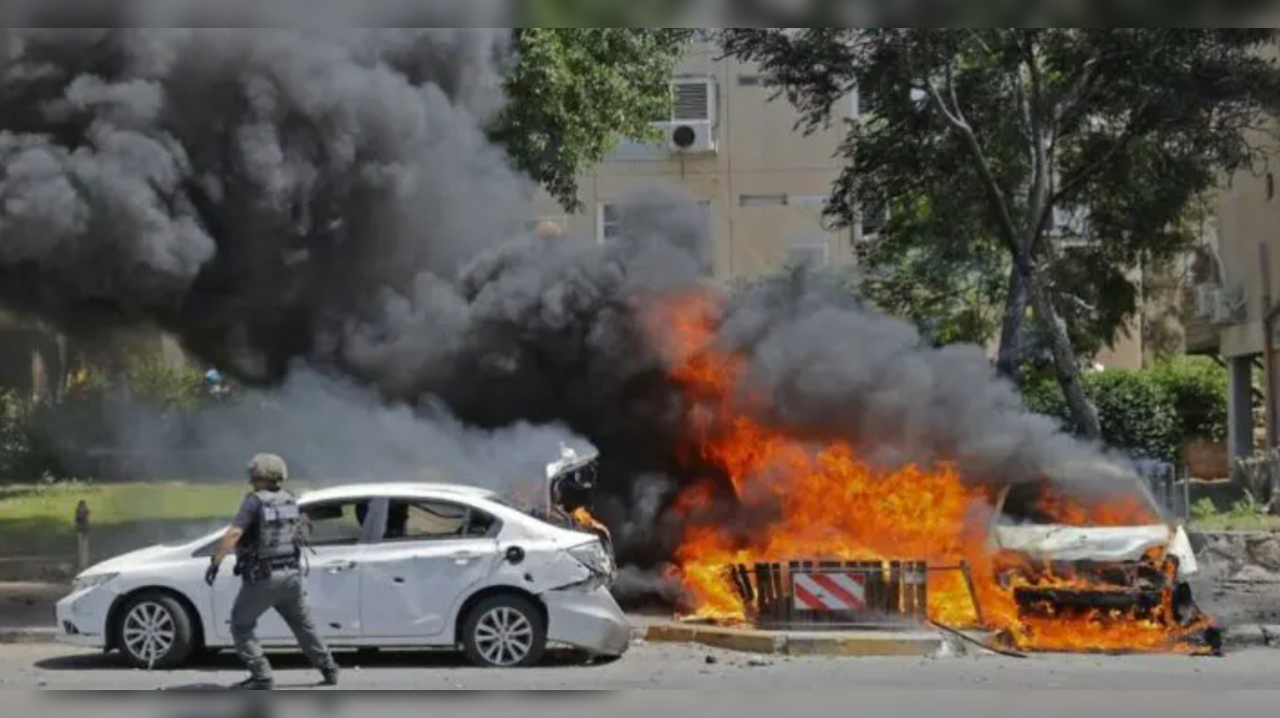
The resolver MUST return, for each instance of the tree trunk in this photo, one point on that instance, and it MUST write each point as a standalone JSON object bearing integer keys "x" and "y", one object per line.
{"x": 1064, "y": 359}
{"x": 1015, "y": 316}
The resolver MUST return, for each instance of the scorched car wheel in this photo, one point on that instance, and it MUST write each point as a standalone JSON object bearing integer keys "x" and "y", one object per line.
{"x": 154, "y": 632}
{"x": 504, "y": 632}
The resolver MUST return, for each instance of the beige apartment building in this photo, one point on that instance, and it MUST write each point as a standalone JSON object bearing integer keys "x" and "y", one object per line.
{"x": 1231, "y": 308}
{"x": 1233, "y": 291}
{"x": 763, "y": 183}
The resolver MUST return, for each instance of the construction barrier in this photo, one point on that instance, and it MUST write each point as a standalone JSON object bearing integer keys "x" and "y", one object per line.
{"x": 836, "y": 595}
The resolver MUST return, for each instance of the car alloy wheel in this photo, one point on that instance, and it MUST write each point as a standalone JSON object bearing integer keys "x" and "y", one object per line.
{"x": 504, "y": 637}
{"x": 149, "y": 633}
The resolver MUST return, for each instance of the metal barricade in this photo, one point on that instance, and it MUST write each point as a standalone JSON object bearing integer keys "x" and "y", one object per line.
{"x": 838, "y": 595}
{"x": 1170, "y": 483}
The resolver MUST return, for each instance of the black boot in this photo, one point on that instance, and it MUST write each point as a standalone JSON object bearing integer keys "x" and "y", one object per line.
{"x": 329, "y": 676}
{"x": 256, "y": 684}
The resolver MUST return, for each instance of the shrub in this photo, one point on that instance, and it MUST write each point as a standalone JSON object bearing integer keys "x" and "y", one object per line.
{"x": 1136, "y": 411}
{"x": 176, "y": 386}
{"x": 150, "y": 380}
{"x": 25, "y": 453}
{"x": 1198, "y": 389}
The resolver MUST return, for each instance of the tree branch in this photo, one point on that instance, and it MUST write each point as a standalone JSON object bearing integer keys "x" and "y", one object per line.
{"x": 1039, "y": 204}
{"x": 1073, "y": 99}
{"x": 1078, "y": 179}
{"x": 1008, "y": 228}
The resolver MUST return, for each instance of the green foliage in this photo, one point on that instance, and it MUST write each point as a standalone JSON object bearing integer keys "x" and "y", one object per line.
{"x": 575, "y": 90}
{"x": 577, "y": 13}
{"x": 1197, "y": 386}
{"x": 30, "y": 429}
{"x": 163, "y": 383}
{"x": 1203, "y": 510}
{"x": 1001, "y": 133}
{"x": 951, "y": 284}
{"x": 1136, "y": 412}
{"x": 25, "y": 452}
{"x": 1154, "y": 412}
{"x": 1245, "y": 515}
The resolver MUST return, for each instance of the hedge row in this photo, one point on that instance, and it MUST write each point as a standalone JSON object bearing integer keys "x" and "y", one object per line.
{"x": 1152, "y": 413}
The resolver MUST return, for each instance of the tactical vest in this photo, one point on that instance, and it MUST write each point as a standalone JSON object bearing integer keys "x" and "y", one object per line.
{"x": 274, "y": 543}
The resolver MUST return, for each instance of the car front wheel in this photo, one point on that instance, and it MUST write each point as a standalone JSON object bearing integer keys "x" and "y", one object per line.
{"x": 155, "y": 632}
{"x": 505, "y": 632}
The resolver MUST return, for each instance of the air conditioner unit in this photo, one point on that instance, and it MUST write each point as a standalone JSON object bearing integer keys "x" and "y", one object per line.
{"x": 693, "y": 123}
{"x": 691, "y": 137}
{"x": 1206, "y": 295}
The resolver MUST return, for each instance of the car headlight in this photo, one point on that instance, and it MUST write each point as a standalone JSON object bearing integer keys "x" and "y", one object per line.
{"x": 84, "y": 583}
{"x": 594, "y": 557}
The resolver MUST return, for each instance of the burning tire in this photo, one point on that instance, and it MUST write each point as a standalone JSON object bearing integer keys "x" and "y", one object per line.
{"x": 505, "y": 632}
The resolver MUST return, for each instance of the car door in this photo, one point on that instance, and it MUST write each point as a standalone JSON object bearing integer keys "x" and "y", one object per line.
{"x": 432, "y": 554}
{"x": 338, "y": 533}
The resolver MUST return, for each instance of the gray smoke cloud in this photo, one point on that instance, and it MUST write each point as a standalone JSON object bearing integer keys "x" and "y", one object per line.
{"x": 839, "y": 370}
{"x": 327, "y": 198}
{"x": 253, "y": 190}
{"x": 332, "y": 432}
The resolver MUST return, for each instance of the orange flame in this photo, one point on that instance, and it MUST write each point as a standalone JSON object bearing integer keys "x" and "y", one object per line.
{"x": 825, "y": 503}
{"x": 584, "y": 518}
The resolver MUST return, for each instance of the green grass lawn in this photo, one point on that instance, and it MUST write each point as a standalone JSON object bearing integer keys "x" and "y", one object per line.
{"x": 39, "y": 521}
{"x": 1230, "y": 522}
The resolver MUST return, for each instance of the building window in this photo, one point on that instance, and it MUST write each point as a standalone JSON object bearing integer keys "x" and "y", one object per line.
{"x": 809, "y": 201}
{"x": 812, "y": 256}
{"x": 872, "y": 221}
{"x": 1271, "y": 186}
{"x": 608, "y": 222}
{"x": 763, "y": 200}
{"x": 749, "y": 80}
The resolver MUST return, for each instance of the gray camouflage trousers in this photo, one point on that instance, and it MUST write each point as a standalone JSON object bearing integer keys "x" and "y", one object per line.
{"x": 284, "y": 592}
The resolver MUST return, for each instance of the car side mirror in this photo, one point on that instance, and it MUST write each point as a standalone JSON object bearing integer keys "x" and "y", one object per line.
{"x": 515, "y": 555}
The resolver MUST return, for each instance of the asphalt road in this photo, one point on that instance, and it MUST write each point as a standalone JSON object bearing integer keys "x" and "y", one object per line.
{"x": 652, "y": 667}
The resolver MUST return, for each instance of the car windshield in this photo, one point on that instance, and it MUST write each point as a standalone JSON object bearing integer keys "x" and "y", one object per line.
{"x": 1084, "y": 505}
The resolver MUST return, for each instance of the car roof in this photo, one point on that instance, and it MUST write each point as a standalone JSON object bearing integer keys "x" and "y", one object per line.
{"x": 352, "y": 492}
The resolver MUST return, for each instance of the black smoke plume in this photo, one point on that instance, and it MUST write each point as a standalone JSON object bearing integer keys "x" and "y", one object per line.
{"x": 326, "y": 200}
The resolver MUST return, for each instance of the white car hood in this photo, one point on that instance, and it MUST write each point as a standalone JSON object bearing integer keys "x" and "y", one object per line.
{"x": 1069, "y": 544}
{"x": 143, "y": 557}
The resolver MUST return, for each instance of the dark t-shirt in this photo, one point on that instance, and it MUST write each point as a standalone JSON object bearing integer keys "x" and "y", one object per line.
{"x": 247, "y": 518}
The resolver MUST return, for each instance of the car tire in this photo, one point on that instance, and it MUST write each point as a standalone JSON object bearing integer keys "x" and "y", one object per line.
{"x": 155, "y": 632}
{"x": 505, "y": 632}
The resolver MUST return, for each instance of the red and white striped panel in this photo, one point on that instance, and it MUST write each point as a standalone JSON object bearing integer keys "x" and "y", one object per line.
{"x": 824, "y": 592}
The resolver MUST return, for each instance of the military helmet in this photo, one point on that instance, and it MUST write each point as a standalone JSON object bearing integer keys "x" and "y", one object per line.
{"x": 269, "y": 467}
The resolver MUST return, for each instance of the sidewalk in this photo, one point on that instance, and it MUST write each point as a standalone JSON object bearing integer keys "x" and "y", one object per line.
{"x": 26, "y": 611}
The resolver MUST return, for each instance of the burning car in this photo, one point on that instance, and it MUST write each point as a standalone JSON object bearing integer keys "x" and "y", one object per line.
{"x": 1091, "y": 542}
{"x": 391, "y": 566}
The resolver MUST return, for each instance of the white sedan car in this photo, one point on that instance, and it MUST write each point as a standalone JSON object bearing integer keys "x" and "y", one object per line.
{"x": 390, "y": 566}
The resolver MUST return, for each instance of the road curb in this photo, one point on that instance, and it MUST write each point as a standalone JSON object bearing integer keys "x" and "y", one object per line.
{"x": 26, "y": 637}
{"x": 851, "y": 645}
{"x": 1252, "y": 636}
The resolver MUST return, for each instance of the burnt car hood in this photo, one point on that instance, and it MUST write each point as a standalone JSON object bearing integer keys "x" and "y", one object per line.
{"x": 1104, "y": 545}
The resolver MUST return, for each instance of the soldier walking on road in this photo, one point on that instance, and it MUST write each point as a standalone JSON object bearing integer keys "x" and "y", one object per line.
{"x": 266, "y": 539}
